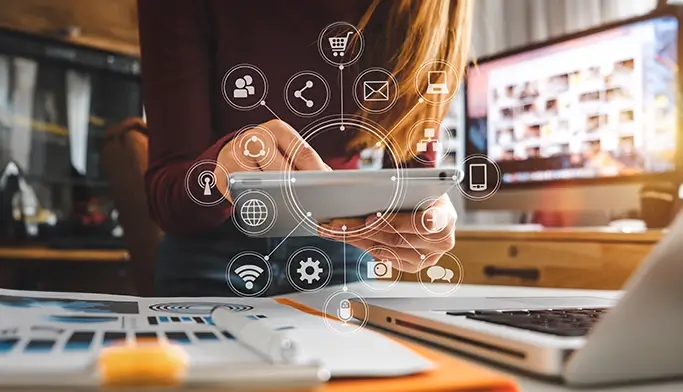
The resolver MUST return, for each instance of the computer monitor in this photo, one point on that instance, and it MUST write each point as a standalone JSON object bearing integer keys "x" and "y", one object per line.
{"x": 578, "y": 123}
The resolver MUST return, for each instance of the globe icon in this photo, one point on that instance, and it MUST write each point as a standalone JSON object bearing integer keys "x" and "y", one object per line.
{"x": 254, "y": 212}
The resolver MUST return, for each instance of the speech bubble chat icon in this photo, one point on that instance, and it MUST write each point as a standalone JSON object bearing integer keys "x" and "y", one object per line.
{"x": 436, "y": 272}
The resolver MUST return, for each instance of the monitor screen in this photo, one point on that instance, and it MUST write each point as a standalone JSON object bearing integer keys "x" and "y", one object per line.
{"x": 602, "y": 105}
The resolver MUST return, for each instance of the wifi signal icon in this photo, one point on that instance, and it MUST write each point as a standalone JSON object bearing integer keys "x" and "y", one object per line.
{"x": 249, "y": 273}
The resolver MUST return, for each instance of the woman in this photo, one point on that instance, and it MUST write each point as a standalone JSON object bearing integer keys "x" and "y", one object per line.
{"x": 188, "y": 45}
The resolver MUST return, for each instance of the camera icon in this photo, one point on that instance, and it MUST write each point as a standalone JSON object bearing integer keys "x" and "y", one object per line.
{"x": 379, "y": 269}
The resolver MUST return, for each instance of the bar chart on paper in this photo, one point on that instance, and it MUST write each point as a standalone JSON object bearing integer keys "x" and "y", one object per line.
{"x": 158, "y": 320}
{"x": 88, "y": 340}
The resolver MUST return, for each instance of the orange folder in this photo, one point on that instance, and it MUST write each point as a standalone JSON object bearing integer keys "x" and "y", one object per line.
{"x": 451, "y": 374}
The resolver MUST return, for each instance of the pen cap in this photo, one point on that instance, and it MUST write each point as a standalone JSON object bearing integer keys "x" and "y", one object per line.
{"x": 144, "y": 363}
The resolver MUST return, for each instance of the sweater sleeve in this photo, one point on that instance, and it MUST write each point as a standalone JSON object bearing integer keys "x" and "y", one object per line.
{"x": 175, "y": 43}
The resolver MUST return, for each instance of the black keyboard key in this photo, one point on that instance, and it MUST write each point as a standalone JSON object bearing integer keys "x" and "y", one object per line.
{"x": 560, "y": 322}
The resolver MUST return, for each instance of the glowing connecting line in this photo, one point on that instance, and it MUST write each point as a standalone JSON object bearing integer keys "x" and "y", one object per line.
{"x": 299, "y": 93}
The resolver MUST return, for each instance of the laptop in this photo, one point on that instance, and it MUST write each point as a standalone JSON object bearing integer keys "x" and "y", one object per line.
{"x": 577, "y": 340}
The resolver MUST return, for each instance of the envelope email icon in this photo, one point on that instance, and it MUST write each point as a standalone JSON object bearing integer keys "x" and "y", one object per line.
{"x": 375, "y": 90}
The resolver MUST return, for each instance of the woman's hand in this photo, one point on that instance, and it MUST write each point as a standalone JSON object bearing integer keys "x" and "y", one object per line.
{"x": 279, "y": 139}
{"x": 427, "y": 234}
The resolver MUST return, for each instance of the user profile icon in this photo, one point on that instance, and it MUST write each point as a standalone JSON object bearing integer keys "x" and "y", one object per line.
{"x": 201, "y": 183}
{"x": 244, "y": 87}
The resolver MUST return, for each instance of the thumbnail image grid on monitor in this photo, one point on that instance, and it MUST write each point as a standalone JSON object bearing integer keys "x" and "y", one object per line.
{"x": 602, "y": 105}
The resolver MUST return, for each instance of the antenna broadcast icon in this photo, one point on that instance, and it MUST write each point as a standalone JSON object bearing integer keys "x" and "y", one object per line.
{"x": 249, "y": 273}
{"x": 207, "y": 180}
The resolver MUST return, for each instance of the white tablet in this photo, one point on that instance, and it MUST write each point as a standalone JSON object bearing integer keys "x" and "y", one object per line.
{"x": 280, "y": 204}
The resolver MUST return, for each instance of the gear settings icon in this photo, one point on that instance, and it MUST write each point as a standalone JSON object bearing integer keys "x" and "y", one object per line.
{"x": 309, "y": 270}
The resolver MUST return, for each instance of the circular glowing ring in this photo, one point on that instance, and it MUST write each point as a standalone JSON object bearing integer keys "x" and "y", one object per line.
{"x": 334, "y": 123}
{"x": 197, "y": 307}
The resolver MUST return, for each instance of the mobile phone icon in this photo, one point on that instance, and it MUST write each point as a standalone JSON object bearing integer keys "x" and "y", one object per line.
{"x": 478, "y": 174}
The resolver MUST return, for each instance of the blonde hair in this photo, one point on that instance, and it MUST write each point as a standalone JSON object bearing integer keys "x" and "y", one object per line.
{"x": 416, "y": 32}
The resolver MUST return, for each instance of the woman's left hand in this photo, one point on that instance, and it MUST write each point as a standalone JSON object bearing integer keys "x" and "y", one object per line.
{"x": 417, "y": 240}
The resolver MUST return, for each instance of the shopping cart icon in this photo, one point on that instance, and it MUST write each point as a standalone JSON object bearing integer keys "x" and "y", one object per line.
{"x": 338, "y": 44}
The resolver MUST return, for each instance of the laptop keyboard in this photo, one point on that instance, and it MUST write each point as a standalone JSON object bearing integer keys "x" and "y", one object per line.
{"x": 560, "y": 322}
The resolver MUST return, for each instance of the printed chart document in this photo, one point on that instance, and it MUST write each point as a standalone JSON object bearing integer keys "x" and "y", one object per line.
{"x": 52, "y": 333}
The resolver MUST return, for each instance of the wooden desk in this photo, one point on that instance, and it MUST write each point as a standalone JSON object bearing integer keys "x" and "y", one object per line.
{"x": 563, "y": 258}
{"x": 41, "y": 253}
{"x": 41, "y": 268}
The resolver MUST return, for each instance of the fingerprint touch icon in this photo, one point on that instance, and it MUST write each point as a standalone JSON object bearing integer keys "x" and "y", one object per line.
{"x": 254, "y": 212}
{"x": 249, "y": 273}
{"x": 207, "y": 180}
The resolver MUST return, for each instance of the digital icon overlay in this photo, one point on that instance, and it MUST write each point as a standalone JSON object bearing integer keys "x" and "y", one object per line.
{"x": 309, "y": 269}
{"x": 375, "y": 90}
{"x": 248, "y": 274}
{"x": 252, "y": 147}
{"x": 477, "y": 177}
{"x": 482, "y": 177}
{"x": 345, "y": 312}
{"x": 244, "y": 87}
{"x": 340, "y": 44}
{"x": 434, "y": 82}
{"x": 442, "y": 279}
{"x": 431, "y": 222}
{"x": 429, "y": 140}
{"x": 437, "y": 82}
{"x": 255, "y": 212}
{"x": 379, "y": 269}
{"x": 207, "y": 180}
{"x": 307, "y": 94}
{"x": 380, "y": 273}
{"x": 201, "y": 182}
{"x": 437, "y": 272}
{"x": 427, "y": 148}
{"x": 261, "y": 149}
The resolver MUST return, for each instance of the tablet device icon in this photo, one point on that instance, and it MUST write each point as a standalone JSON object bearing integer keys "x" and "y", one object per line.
{"x": 478, "y": 174}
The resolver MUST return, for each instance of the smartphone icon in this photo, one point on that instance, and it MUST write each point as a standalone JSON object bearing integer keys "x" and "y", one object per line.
{"x": 478, "y": 176}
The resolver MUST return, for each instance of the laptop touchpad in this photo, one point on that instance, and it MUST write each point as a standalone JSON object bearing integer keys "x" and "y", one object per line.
{"x": 560, "y": 302}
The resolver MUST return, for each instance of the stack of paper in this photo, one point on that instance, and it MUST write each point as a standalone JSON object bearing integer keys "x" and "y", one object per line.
{"x": 46, "y": 337}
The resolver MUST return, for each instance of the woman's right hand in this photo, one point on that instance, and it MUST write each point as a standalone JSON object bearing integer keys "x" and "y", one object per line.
{"x": 276, "y": 159}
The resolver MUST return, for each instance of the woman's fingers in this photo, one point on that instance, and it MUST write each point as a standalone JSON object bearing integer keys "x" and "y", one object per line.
{"x": 411, "y": 241}
{"x": 299, "y": 153}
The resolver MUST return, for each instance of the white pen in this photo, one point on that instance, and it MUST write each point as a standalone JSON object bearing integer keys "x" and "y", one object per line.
{"x": 277, "y": 346}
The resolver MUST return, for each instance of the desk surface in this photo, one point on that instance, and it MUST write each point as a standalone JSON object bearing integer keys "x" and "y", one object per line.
{"x": 527, "y": 384}
{"x": 569, "y": 234}
{"x": 42, "y": 253}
